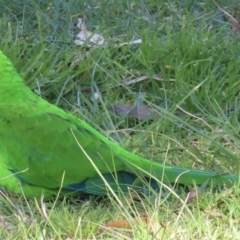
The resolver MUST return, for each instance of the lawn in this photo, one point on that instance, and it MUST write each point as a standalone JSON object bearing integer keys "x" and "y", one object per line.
{"x": 164, "y": 84}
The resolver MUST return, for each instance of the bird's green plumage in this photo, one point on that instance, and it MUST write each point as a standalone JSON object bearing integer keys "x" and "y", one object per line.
{"x": 39, "y": 152}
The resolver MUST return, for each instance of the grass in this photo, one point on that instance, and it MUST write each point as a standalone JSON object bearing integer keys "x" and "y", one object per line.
{"x": 193, "y": 48}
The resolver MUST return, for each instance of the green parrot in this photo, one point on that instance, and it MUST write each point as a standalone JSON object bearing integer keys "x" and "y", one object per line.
{"x": 46, "y": 151}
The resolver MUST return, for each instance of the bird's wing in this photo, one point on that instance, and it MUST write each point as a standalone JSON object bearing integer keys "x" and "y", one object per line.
{"x": 44, "y": 145}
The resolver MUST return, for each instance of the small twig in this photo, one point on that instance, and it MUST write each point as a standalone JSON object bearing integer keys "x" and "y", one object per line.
{"x": 132, "y": 81}
{"x": 234, "y": 22}
{"x": 143, "y": 78}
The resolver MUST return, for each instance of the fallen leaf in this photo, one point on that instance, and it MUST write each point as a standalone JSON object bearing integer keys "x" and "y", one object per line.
{"x": 214, "y": 213}
{"x": 86, "y": 36}
{"x": 154, "y": 227}
{"x": 136, "y": 111}
{"x": 197, "y": 192}
{"x": 123, "y": 223}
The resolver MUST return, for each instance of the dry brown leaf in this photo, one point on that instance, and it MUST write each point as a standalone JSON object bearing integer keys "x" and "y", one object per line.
{"x": 197, "y": 192}
{"x": 154, "y": 227}
{"x": 214, "y": 213}
{"x": 123, "y": 223}
{"x": 140, "y": 111}
{"x": 192, "y": 196}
